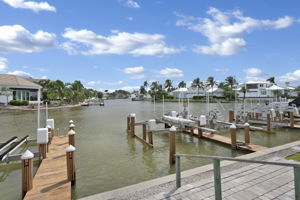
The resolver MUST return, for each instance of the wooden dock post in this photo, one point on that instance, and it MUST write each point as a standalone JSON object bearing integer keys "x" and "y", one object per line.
{"x": 256, "y": 116}
{"x": 292, "y": 120}
{"x": 50, "y": 122}
{"x": 145, "y": 132}
{"x": 231, "y": 116}
{"x": 132, "y": 124}
{"x": 27, "y": 172}
{"x": 49, "y": 134}
{"x": 150, "y": 137}
{"x": 71, "y": 122}
{"x": 233, "y": 136}
{"x": 199, "y": 130}
{"x": 42, "y": 140}
{"x": 246, "y": 132}
{"x": 281, "y": 117}
{"x": 172, "y": 148}
{"x": 128, "y": 124}
{"x": 268, "y": 122}
{"x": 151, "y": 127}
{"x": 71, "y": 169}
{"x": 71, "y": 135}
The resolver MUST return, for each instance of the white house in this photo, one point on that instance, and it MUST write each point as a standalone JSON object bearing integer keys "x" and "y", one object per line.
{"x": 21, "y": 89}
{"x": 186, "y": 93}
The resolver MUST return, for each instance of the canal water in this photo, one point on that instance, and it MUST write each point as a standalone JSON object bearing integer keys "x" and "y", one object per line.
{"x": 107, "y": 158}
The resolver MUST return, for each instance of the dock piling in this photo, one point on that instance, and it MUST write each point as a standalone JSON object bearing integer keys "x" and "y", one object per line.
{"x": 71, "y": 135}
{"x": 292, "y": 120}
{"x": 172, "y": 151}
{"x": 145, "y": 132}
{"x": 132, "y": 124}
{"x": 268, "y": 122}
{"x": 72, "y": 127}
{"x": 42, "y": 140}
{"x": 231, "y": 116}
{"x": 233, "y": 136}
{"x": 128, "y": 124}
{"x": 246, "y": 131}
{"x": 27, "y": 172}
{"x": 71, "y": 169}
{"x": 199, "y": 130}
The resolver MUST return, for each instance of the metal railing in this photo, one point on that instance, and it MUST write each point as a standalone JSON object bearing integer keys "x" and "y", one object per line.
{"x": 217, "y": 170}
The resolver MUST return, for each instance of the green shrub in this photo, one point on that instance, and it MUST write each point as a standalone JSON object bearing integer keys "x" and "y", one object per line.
{"x": 46, "y": 101}
{"x": 18, "y": 103}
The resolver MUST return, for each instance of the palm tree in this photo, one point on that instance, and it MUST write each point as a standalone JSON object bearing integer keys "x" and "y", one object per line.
{"x": 181, "y": 84}
{"x": 197, "y": 84}
{"x": 168, "y": 85}
{"x": 271, "y": 80}
{"x": 143, "y": 91}
{"x": 211, "y": 82}
{"x": 230, "y": 80}
{"x": 60, "y": 87}
{"x": 244, "y": 90}
{"x": 146, "y": 84}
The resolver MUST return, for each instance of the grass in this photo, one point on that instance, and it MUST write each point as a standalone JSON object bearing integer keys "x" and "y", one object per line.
{"x": 295, "y": 157}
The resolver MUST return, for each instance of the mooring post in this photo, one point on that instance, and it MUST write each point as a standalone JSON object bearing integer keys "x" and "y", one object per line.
{"x": 231, "y": 116}
{"x": 199, "y": 129}
{"x": 233, "y": 136}
{"x": 50, "y": 122}
{"x": 27, "y": 172}
{"x": 128, "y": 124}
{"x": 268, "y": 122}
{"x": 71, "y": 135}
{"x": 71, "y": 122}
{"x": 71, "y": 169}
{"x": 49, "y": 137}
{"x": 72, "y": 127}
{"x": 292, "y": 120}
{"x": 150, "y": 137}
{"x": 145, "y": 132}
{"x": 280, "y": 116}
{"x": 132, "y": 124}
{"x": 256, "y": 116}
{"x": 42, "y": 140}
{"x": 172, "y": 149}
{"x": 246, "y": 131}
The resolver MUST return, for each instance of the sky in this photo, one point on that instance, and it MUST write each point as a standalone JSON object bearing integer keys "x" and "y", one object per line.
{"x": 118, "y": 44}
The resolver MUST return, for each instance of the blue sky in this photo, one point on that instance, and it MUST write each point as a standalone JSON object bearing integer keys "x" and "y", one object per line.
{"x": 111, "y": 44}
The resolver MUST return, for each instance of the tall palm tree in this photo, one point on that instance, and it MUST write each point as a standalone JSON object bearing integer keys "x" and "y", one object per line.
{"x": 244, "y": 91}
{"x": 211, "y": 82}
{"x": 60, "y": 87}
{"x": 271, "y": 80}
{"x": 146, "y": 84}
{"x": 197, "y": 83}
{"x": 143, "y": 90}
{"x": 230, "y": 80}
{"x": 181, "y": 84}
{"x": 168, "y": 85}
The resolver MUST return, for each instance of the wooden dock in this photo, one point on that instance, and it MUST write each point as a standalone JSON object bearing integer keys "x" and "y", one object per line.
{"x": 51, "y": 181}
{"x": 227, "y": 140}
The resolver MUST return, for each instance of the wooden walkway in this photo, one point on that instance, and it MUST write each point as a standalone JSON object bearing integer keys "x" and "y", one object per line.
{"x": 50, "y": 181}
{"x": 227, "y": 140}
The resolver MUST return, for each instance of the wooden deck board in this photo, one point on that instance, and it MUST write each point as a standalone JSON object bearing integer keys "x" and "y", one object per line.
{"x": 50, "y": 181}
{"x": 227, "y": 140}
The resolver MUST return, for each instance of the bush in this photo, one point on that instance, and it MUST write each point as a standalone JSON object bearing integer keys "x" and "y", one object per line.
{"x": 19, "y": 103}
{"x": 46, "y": 101}
{"x": 198, "y": 97}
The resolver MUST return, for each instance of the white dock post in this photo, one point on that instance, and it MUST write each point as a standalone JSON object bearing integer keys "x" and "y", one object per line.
{"x": 71, "y": 168}
{"x": 27, "y": 172}
{"x": 71, "y": 135}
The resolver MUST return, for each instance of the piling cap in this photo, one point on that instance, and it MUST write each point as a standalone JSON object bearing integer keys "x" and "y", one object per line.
{"x": 48, "y": 126}
{"x": 72, "y": 125}
{"x": 70, "y": 148}
{"x": 71, "y": 121}
{"x": 71, "y": 132}
{"x": 27, "y": 155}
{"x": 173, "y": 128}
{"x": 232, "y": 126}
{"x": 132, "y": 115}
{"x": 246, "y": 124}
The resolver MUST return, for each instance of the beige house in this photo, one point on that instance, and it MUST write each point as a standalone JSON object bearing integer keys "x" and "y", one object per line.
{"x": 21, "y": 89}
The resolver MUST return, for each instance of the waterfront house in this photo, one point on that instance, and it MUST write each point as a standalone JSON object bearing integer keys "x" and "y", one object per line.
{"x": 21, "y": 89}
{"x": 186, "y": 93}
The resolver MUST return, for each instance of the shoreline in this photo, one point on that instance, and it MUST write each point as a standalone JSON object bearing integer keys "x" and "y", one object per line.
{"x": 28, "y": 108}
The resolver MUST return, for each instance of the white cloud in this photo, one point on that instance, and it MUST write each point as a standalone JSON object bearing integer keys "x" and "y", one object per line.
{"x": 129, "y": 3}
{"x": 130, "y": 88}
{"x": 224, "y": 29}
{"x": 69, "y": 47}
{"x": 293, "y": 77}
{"x": 3, "y": 64}
{"x": 170, "y": 73}
{"x": 93, "y": 83}
{"x": 129, "y": 18}
{"x": 120, "y": 43}
{"x": 254, "y": 74}
{"x": 20, "y": 73}
{"x": 138, "y": 76}
{"x": 17, "y": 39}
{"x": 133, "y": 70}
{"x": 31, "y": 5}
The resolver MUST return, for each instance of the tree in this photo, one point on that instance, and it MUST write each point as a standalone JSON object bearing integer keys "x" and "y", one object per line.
{"x": 99, "y": 95}
{"x": 168, "y": 85}
{"x": 5, "y": 91}
{"x": 271, "y": 80}
{"x": 143, "y": 91}
{"x": 211, "y": 82}
{"x": 181, "y": 84}
{"x": 197, "y": 84}
{"x": 230, "y": 81}
{"x": 244, "y": 91}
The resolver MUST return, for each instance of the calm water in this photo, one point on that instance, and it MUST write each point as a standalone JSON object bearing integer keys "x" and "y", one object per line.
{"x": 107, "y": 158}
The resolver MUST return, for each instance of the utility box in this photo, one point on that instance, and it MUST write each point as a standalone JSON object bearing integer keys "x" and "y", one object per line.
{"x": 42, "y": 136}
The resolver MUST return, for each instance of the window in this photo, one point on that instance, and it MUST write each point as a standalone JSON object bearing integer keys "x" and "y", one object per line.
{"x": 263, "y": 92}
{"x": 261, "y": 85}
{"x": 251, "y": 86}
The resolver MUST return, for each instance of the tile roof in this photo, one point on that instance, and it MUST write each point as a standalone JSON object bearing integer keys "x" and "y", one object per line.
{"x": 16, "y": 81}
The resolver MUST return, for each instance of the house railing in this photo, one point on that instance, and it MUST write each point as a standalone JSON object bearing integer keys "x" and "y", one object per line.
{"x": 217, "y": 170}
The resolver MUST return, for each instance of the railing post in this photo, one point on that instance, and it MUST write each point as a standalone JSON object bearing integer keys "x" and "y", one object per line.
{"x": 297, "y": 182}
{"x": 27, "y": 171}
{"x": 217, "y": 178}
{"x": 178, "y": 172}
{"x": 71, "y": 169}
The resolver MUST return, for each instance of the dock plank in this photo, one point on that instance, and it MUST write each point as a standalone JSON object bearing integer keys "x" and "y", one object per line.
{"x": 50, "y": 181}
{"x": 227, "y": 140}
